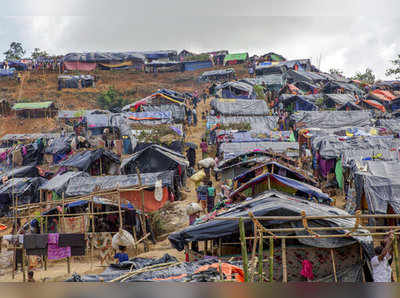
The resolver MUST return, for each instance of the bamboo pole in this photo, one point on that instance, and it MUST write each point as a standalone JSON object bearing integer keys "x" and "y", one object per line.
{"x": 143, "y": 221}
{"x": 271, "y": 259}
{"x": 244, "y": 250}
{"x": 91, "y": 206}
{"x": 396, "y": 216}
{"x": 284, "y": 263}
{"x": 260, "y": 258}
{"x": 396, "y": 258}
{"x": 253, "y": 254}
{"x": 362, "y": 263}
{"x": 23, "y": 265}
{"x": 334, "y": 265}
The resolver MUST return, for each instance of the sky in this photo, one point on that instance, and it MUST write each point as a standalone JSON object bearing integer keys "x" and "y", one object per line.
{"x": 348, "y": 35}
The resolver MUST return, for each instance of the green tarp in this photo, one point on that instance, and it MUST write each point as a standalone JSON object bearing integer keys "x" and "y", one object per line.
{"x": 339, "y": 173}
{"x": 32, "y": 105}
{"x": 237, "y": 56}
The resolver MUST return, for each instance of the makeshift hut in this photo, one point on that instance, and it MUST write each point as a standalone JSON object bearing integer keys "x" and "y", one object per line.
{"x": 20, "y": 172}
{"x": 95, "y": 162}
{"x": 237, "y": 58}
{"x": 163, "y": 66}
{"x": 257, "y": 123}
{"x": 43, "y": 109}
{"x": 219, "y": 75}
{"x": 337, "y": 101}
{"x": 265, "y": 70}
{"x": 236, "y": 89}
{"x": 77, "y": 82}
{"x": 294, "y": 103}
{"x": 57, "y": 149}
{"x": 272, "y": 57}
{"x": 239, "y": 107}
{"x": 328, "y": 259}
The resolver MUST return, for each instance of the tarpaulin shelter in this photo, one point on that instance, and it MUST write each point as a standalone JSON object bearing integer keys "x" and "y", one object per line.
{"x": 56, "y": 186}
{"x": 234, "y": 136}
{"x": 265, "y": 70}
{"x": 21, "y": 172}
{"x": 240, "y": 107}
{"x": 153, "y": 159}
{"x": 272, "y": 57}
{"x": 58, "y": 148}
{"x": 268, "y": 181}
{"x": 271, "y": 81}
{"x": 219, "y": 75}
{"x": 349, "y": 106}
{"x": 316, "y": 250}
{"x": 195, "y": 65}
{"x": 150, "y": 118}
{"x": 306, "y": 87}
{"x": 304, "y": 76}
{"x": 25, "y": 189}
{"x": 372, "y": 104}
{"x": 163, "y": 66}
{"x": 81, "y": 81}
{"x": 229, "y": 150}
{"x": 7, "y": 72}
{"x": 158, "y": 188}
{"x": 336, "y": 86}
{"x": 338, "y": 100}
{"x": 331, "y": 119}
{"x": 392, "y": 85}
{"x": 35, "y": 109}
{"x": 95, "y": 162}
{"x": 97, "y": 121}
{"x": 294, "y": 103}
{"x": 158, "y": 98}
{"x": 17, "y": 65}
{"x": 236, "y": 89}
{"x": 178, "y": 112}
{"x": 257, "y": 123}
{"x": 298, "y": 64}
{"x": 392, "y": 124}
{"x": 382, "y": 96}
{"x": 237, "y": 58}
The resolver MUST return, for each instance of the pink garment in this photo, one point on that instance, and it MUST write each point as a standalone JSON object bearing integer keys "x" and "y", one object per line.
{"x": 326, "y": 165}
{"x": 24, "y": 151}
{"x": 306, "y": 270}
{"x": 53, "y": 251}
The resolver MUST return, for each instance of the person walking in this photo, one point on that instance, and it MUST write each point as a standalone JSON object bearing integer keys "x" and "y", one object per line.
{"x": 210, "y": 197}
{"x": 194, "y": 117}
{"x": 204, "y": 148}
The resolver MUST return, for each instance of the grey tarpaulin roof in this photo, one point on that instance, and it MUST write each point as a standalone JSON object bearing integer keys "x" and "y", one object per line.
{"x": 334, "y": 146}
{"x": 60, "y": 182}
{"x": 240, "y": 107}
{"x": 312, "y": 98}
{"x": 98, "y": 120}
{"x": 341, "y": 99}
{"x": 392, "y": 124}
{"x": 217, "y": 72}
{"x": 159, "y": 118}
{"x": 274, "y": 203}
{"x": 381, "y": 184}
{"x": 237, "y": 85}
{"x": 103, "y": 57}
{"x": 79, "y": 186}
{"x": 178, "y": 111}
{"x": 330, "y": 86}
{"x": 230, "y": 150}
{"x": 59, "y": 145}
{"x": 307, "y": 76}
{"x": 31, "y": 136}
{"x": 271, "y": 79}
{"x": 331, "y": 119}
{"x": 257, "y": 123}
{"x": 68, "y": 114}
{"x": 83, "y": 160}
{"x": 270, "y": 69}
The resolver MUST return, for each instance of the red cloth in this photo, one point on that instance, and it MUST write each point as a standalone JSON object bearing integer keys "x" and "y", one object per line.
{"x": 306, "y": 271}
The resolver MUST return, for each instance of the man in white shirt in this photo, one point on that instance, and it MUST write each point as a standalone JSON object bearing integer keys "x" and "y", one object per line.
{"x": 381, "y": 270}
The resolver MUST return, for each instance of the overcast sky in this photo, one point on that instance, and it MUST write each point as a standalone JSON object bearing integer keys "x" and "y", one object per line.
{"x": 349, "y": 37}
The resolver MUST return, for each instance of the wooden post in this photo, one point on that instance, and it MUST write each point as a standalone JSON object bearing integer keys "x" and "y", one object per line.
{"x": 269, "y": 181}
{"x": 23, "y": 265}
{"x": 205, "y": 247}
{"x": 40, "y": 211}
{"x": 91, "y": 216}
{"x": 396, "y": 258}
{"x": 271, "y": 259}
{"x": 261, "y": 258}
{"x": 244, "y": 249}
{"x": 219, "y": 247}
{"x": 362, "y": 263}
{"x": 284, "y": 264}
{"x": 334, "y": 265}
{"x": 143, "y": 221}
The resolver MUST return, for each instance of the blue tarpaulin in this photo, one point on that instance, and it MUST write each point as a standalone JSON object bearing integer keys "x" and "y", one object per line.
{"x": 7, "y": 72}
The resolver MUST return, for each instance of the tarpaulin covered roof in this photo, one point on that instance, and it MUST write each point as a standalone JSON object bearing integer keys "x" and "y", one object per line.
{"x": 274, "y": 204}
{"x": 152, "y": 159}
{"x": 68, "y": 114}
{"x": 340, "y": 99}
{"x": 251, "y": 136}
{"x": 273, "y": 57}
{"x": 307, "y": 76}
{"x": 79, "y": 186}
{"x": 7, "y": 72}
{"x": 257, "y": 123}
{"x": 381, "y": 184}
{"x": 238, "y": 107}
{"x": 217, "y": 72}
{"x": 236, "y": 85}
{"x": 32, "y": 105}
{"x": 97, "y": 120}
{"x": 268, "y": 79}
{"x": 230, "y": 150}
{"x": 31, "y": 136}
{"x": 331, "y": 119}
{"x": 22, "y": 172}
{"x": 148, "y": 118}
{"x": 103, "y": 57}
{"x": 83, "y": 160}
{"x": 177, "y": 111}
{"x": 349, "y": 105}
{"x": 236, "y": 56}
{"x": 392, "y": 124}
{"x": 59, "y": 183}
{"x": 332, "y": 87}
{"x": 59, "y": 145}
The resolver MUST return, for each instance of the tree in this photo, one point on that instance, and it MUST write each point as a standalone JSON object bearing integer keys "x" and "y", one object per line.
{"x": 335, "y": 71}
{"x": 16, "y": 51}
{"x": 366, "y": 77}
{"x": 111, "y": 100}
{"x": 396, "y": 68}
{"x": 39, "y": 53}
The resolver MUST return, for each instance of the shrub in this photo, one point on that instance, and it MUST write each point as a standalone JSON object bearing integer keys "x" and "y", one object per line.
{"x": 111, "y": 100}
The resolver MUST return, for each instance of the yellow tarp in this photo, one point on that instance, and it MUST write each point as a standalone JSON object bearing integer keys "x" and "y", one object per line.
{"x": 127, "y": 63}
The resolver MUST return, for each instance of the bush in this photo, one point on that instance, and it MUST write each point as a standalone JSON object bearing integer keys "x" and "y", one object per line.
{"x": 111, "y": 100}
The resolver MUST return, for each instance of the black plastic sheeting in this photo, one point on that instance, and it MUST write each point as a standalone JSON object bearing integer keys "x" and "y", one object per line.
{"x": 240, "y": 107}
{"x": 274, "y": 204}
{"x": 25, "y": 189}
{"x": 79, "y": 186}
{"x": 183, "y": 272}
{"x": 154, "y": 159}
{"x": 331, "y": 119}
{"x": 176, "y": 146}
{"x": 22, "y": 172}
{"x": 59, "y": 183}
{"x": 61, "y": 145}
{"x": 83, "y": 160}
{"x": 381, "y": 185}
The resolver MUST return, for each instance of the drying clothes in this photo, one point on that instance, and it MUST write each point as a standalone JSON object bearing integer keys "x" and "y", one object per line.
{"x": 36, "y": 244}
{"x": 73, "y": 240}
{"x": 74, "y": 224}
{"x": 54, "y": 252}
{"x": 14, "y": 239}
{"x": 339, "y": 173}
{"x": 306, "y": 270}
{"x": 78, "y": 251}
{"x": 326, "y": 165}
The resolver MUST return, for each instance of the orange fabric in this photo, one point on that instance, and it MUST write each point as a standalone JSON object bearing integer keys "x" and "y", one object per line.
{"x": 375, "y": 105}
{"x": 150, "y": 203}
{"x": 383, "y": 95}
{"x": 143, "y": 118}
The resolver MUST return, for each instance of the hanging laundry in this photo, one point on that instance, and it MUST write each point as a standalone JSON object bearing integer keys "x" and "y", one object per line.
{"x": 54, "y": 252}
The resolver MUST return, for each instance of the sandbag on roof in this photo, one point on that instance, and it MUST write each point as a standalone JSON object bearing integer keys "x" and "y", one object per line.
{"x": 274, "y": 204}
{"x": 59, "y": 183}
{"x": 240, "y": 107}
{"x": 257, "y": 123}
{"x": 79, "y": 186}
{"x": 381, "y": 184}
{"x": 331, "y": 119}
{"x": 83, "y": 160}
{"x": 231, "y": 150}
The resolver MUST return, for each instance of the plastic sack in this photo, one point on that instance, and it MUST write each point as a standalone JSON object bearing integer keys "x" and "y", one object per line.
{"x": 207, "y": 163}
{"x": 122, "y": 238}
{"x": 198, "y": 176}
{"x": 193, "y": 208}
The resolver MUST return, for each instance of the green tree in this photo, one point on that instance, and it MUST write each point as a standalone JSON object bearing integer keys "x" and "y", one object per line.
{"x": 396, "y": 68}
{"x": 15, "y": 52}
{"x": 366, "y": 77}
{"x": 111, "y": 100}
{"x": 336, "y": 71}
{"x": 39, "y": 53}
